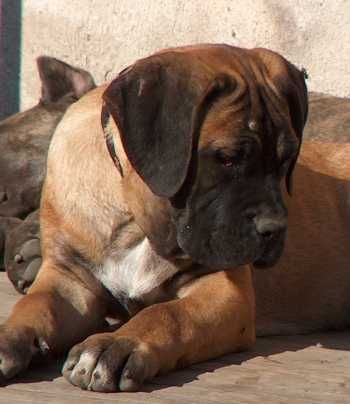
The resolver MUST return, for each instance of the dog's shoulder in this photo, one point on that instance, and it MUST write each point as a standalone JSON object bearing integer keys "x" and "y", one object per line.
{"x": 76, "y": 185}
{"x": 80, "y": 127}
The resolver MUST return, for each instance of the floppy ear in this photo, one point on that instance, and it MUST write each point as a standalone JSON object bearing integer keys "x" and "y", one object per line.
{"x": 295, "y": 91}
{"x": 156, "y": 106}
{"x": 291, "y": 87}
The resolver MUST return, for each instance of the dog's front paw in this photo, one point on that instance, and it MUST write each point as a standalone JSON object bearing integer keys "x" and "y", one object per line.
{"x": 109, "y": 363}
{"x": 23, "y": 254}
{"x": 17, "y": 348}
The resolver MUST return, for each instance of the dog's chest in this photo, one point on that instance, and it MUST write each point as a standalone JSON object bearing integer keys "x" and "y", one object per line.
{"x": 137, "y": 273}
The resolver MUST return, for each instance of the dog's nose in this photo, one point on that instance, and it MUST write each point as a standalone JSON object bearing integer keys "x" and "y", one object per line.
{"x": 268, "y": 227}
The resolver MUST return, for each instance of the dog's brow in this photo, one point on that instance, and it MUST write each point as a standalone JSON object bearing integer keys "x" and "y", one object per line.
{"x": 247, "y": 136}
{"x": 244, "y": 138}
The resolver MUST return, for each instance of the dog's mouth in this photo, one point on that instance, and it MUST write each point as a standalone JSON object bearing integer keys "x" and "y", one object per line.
{"x": 263, "y": 264}
{"x": 271, "y": 253}
{"x": 177, "y": 253}
{"x": 265, "y": 261}
{"x": 263, "y": 257}
{"x": 221, "y": 251}
{"x": 180, "y": 254}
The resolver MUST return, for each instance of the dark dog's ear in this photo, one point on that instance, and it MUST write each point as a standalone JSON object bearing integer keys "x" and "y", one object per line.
{"x": 156, "y": 107}
{"x": 59, "y": 79}
{"x": 7, "y": 224}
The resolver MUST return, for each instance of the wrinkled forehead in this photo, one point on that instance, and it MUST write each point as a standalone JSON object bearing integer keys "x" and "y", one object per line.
{"x": 226, "y": 127}
{"x": 222, "y": 127}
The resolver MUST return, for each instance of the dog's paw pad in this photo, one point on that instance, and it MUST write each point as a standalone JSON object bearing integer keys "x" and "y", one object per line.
{"x": 30, "y": 249}
{"x": 29, "y": 275}
{"x": 32, "y": 270}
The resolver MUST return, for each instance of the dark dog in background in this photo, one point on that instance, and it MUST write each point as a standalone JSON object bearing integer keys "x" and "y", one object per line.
{"x": 24, "y": 142}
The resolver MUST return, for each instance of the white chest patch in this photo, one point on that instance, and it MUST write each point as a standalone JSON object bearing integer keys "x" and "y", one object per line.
{"x": 137, "y": 273}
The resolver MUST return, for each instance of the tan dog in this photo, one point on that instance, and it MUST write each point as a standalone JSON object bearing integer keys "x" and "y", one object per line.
{"x": 163, "y": 238}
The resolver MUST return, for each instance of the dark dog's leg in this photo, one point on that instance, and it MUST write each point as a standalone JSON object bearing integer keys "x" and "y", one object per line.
{"x": 7, "y": 224}
{"x": 215, "y": 316}
{"x": 22, "y": 252}
{"x": 57, "y": 312}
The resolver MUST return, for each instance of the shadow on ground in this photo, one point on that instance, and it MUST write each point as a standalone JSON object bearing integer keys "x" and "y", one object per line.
{"x": 265, "y": 347}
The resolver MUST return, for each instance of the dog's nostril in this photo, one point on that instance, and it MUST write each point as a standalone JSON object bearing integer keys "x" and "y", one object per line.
{"x": 267, "y": 234}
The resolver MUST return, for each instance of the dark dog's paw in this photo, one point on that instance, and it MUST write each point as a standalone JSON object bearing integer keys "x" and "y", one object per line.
{"x": 109, "y": 363}
{"x": 7, "y": 224}
{"x": 23, "y": 254}
{"x": 27, "y": 262}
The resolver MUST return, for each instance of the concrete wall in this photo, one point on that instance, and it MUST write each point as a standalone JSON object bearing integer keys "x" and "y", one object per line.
{"x": 103, "y": 36}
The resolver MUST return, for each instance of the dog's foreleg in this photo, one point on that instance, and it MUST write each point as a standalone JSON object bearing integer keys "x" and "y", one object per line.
{"x": 57, "y": 312}
{"x": 215, "y": 315}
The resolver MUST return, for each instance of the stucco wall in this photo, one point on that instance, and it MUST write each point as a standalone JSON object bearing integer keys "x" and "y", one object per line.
{"x": 103, "y": 36}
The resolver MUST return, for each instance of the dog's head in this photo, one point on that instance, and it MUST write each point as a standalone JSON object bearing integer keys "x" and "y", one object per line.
{"x": 25, "y": 137}
{"x": 213, "y": 130}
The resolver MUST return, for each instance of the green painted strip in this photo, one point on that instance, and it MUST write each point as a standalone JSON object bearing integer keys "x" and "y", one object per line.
{"x": 10, "y": 56}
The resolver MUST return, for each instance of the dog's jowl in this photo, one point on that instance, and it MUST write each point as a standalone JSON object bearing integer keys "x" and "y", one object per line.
{"x": 164, "y": 235}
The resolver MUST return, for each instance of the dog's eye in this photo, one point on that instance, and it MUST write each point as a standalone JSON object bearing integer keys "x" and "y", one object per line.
{"x": 230, "y": 159}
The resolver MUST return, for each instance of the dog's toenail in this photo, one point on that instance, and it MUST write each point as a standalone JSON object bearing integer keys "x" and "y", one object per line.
{"x": 43, "y": 346}
{"x": 18, "y": 258}
{"x": 20, "y": 284}
{"x": 97, "y": 375}
{"x": 82, "y": 372}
